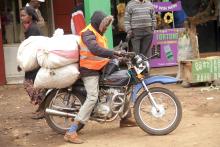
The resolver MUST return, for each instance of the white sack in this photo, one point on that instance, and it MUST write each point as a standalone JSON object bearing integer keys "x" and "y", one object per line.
{"x": 184, "y": 48}
{"x": 26, "y": 55}
{"x": 58, "y": 32}
{"x": 59, "y": 51}
{"x": 57, "y": 78}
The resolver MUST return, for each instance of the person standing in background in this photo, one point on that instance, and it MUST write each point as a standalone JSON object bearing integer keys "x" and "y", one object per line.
{"x": 140, "y": 23}
{"x": 36, "y": 5}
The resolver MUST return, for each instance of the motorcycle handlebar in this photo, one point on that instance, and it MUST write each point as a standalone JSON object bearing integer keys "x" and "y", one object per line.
{"x": 128, "y": 54}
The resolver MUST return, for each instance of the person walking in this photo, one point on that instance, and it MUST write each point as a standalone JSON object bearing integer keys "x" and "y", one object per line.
{"x": 29, "y": 20}
{"x": 140, "y": 23}
{"x": 36, "y": 5}
{"x": 94, "y": 55}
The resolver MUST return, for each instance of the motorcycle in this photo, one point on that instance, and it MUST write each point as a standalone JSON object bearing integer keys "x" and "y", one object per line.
{"x": 157, "y": 110}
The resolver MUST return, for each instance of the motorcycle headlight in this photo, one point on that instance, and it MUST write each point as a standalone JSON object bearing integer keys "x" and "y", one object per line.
{"x": 146, "y": 71}
{"x": 142, "y": 66}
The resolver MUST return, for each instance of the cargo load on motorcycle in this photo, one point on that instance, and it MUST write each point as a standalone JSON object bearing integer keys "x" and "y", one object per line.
{"x": 57, "y": 58}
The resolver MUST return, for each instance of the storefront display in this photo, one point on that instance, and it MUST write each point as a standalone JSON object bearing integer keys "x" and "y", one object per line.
{"x": 165, "y": 44}
{"x": 165, "y": 38}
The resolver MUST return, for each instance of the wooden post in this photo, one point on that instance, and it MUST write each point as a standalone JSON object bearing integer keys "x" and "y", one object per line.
{"x": 2, "y": 62}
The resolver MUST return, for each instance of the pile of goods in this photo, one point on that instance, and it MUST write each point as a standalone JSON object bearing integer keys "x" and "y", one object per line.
{"x": 57, "y": 58}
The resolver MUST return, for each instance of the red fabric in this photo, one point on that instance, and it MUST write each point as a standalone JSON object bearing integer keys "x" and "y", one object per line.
{"x": 79, "y": 23}
{"x": 67, "y": 54}
{"x": 2, "y": 62}
{"x": 26, "y": 25}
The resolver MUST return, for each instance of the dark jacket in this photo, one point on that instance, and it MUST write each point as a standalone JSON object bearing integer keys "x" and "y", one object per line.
{"x": 79, "y": 7}
{"x": 89, "y": 39}
{"x": 33, "y": 30}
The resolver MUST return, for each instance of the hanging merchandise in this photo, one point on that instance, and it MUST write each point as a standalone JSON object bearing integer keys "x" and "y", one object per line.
{"x": 168, "y": 17}
{"x": 120, "y": 16}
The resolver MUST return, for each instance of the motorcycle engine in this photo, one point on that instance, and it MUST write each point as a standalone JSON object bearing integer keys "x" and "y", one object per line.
{"x": 111, "y": 102}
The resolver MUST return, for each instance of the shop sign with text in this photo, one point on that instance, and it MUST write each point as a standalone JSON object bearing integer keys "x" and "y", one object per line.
{"x": 165, "y": 43}
{"x": 167, "y": 6}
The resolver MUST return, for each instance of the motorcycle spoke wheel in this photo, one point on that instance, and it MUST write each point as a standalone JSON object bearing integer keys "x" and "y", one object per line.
{"x": 63, "y": 122}
{"x": 161, "y": 121}
{"x": 61, "y": 102}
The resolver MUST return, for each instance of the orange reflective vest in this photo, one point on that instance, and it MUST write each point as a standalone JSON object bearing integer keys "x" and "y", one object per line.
{"x": 89, "y": 60}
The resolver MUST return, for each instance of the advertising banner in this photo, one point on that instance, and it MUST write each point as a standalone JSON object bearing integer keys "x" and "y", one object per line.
{"x": 165, "y": 43}
{"x": 167, "y": 6}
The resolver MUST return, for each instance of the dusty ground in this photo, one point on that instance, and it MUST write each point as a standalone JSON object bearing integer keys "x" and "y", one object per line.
{"x": 200, "y": 125}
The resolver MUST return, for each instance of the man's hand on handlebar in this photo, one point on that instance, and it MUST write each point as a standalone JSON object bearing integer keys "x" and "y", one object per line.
{"x": 124, "y": 54}
{"x": 130, "y": 54}
{"x": 119, "y": 53}
{"x": 122, "y": 60}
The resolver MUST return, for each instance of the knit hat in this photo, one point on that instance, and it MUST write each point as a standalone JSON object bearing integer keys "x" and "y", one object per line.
{"x": 99, "y": 20}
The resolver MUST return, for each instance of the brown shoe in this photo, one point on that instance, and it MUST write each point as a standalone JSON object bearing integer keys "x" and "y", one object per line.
{"x": 73, "y": 138}
{"x": 126, "y": 122}
{"x": 38, "y": 115}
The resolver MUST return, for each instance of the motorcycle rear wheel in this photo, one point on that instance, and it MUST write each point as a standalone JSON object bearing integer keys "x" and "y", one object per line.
{"x": 160, "y": 122}
{"x": 57, "y": 123}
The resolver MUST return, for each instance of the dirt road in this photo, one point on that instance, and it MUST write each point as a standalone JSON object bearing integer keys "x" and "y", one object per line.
{"x": 200, "y": 125}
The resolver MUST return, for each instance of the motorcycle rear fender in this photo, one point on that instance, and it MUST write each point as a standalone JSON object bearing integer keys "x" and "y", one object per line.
{"x": 152, "y": 80}
{"x": 42, "y": 104}
{"x": 48, "y": 92}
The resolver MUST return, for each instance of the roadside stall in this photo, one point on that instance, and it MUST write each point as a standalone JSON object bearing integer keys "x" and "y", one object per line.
{"x": 165, "y": 40}
{"x": 165, "y": 37}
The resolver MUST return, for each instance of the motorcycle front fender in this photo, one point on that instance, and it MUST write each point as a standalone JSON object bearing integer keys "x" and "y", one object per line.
{"x": 152, "y": 80}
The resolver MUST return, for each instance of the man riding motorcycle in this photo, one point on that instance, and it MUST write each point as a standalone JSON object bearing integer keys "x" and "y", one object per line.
{"x": 94, "y": 55}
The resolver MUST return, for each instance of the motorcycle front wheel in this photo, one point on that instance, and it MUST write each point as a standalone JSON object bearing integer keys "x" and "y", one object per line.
{"x": 161, "y": 121}
{"x": 64, "y": 101}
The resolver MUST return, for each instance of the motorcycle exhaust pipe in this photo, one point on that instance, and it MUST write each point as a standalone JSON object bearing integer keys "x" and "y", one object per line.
{"x": 59, "y": 113}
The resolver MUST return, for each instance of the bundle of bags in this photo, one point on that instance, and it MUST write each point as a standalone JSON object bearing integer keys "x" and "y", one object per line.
{"x": 185, "y": 48}
{"x": 188, "y": 47}
{"x": 57, "y": 57}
